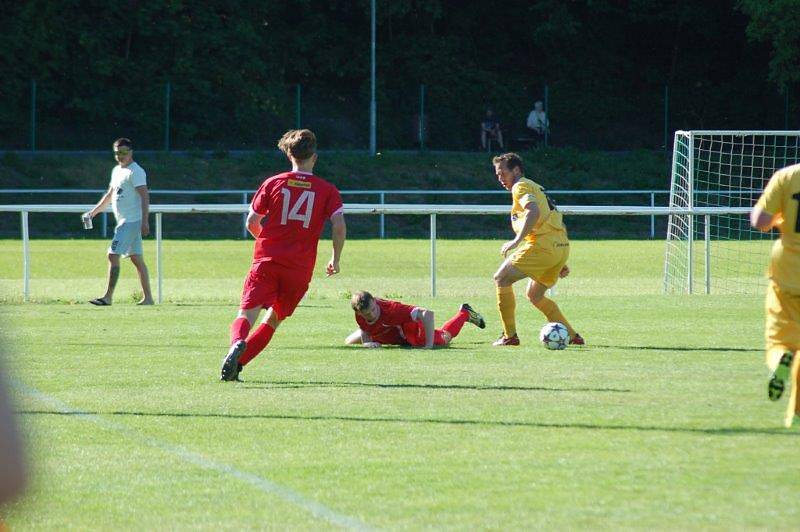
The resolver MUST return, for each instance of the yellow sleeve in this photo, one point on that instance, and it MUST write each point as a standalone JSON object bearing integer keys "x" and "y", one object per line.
{"x": 523, "y": 193}
{"x": 772, "y": 197}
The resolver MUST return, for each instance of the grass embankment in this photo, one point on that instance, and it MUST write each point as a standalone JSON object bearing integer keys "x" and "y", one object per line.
{"x": 556, "y": 169}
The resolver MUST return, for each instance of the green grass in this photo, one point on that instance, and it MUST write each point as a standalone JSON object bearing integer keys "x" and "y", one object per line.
{"x": 661, "y": 422}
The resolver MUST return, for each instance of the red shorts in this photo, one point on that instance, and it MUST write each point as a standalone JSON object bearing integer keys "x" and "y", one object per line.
{"x": 271, "y": 285}
{"x": 415, "y": 334}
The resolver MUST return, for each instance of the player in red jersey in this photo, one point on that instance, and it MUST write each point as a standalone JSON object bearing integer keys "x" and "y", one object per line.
{"x": 286, "y": 218}
{"x": 382, "y": 321}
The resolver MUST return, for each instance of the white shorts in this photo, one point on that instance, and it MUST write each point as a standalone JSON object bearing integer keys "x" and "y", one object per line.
{"x": 127, "y": 239}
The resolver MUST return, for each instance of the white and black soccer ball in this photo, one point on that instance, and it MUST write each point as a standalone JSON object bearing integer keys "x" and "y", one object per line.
{"x": 554, "y": 336}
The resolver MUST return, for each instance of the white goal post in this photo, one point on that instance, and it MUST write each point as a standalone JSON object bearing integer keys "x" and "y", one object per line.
{"x": 725, "y": 170}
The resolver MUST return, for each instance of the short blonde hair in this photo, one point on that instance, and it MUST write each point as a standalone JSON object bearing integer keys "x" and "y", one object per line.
{"x": 511, "y": 159}
{"x": 361, "y": 300}
{"x": 300, "y": 144}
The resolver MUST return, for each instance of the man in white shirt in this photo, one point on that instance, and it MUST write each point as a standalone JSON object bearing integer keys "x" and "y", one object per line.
{"x": 538, "y": 123}
{"x": 130, "y": 200}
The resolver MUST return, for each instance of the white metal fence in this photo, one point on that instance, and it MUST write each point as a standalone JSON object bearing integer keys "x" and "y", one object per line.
{"x": 381, "y": 196}
{"x": 363, "y": 208}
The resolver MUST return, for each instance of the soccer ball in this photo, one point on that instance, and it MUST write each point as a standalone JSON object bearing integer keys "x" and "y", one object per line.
{"x": 554, "y": 336}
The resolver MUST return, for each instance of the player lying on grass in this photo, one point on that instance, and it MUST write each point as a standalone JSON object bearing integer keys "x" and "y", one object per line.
{"x": 382, "y": 321}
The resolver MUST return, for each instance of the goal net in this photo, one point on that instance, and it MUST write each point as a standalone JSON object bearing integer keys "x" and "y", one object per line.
{"x": 720, "y": 175}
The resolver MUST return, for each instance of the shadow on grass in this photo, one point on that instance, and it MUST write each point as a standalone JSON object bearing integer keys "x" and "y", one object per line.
{"x": 476, "y": 387}
{"x": 714, "y": 431}
{"x": 660, "y": 348}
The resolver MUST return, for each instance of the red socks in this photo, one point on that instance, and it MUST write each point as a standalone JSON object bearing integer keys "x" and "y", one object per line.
{"x": 239, "y": 329}
{"x": 454, "y": 324}
{"x": 256, "y": 343}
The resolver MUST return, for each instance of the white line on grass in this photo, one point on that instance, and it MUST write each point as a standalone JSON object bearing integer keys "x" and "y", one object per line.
{"x": 316, "y": 509}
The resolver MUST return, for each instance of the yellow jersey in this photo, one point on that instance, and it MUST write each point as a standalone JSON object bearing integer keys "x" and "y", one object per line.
{"x": 781, "y": 199}
{"x": 550, "y": 220}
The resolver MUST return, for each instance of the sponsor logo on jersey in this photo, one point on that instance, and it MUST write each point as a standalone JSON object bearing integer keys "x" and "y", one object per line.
{"x": 299, "y": 184}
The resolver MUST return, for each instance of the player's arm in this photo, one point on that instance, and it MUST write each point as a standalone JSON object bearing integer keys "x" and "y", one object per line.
{"x": 338, "y": 235}
{"x": 144, "y": 196}
{"x": 254, "y": 222}
{"x": 425, "y": 317}
{"x": 102, "y": 204}
{"x": 761, "y": 219}
{"x": 529, "y": 222}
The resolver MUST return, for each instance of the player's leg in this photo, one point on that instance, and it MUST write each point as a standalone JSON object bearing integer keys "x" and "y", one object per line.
{"x": 465, "y": 314}
{"x": 289, "y": 293}
{"x": 354, "y": 338}
{"x": 441, "y": 338}
{"x": 259, "y": 291}
{"x": 240, "y": 327}
{"x": 543, "y": 263}
{"x": 144, "y": 279}
{"x": 504, "y": 278}
{"x": 780, "y": 334}
{"x": 260, "y": 338}
{"x": 113, "y": 277}
{"x": 779, "y": 362}
{"x": 548, "y": 307}
{"x": 792, "y": 407}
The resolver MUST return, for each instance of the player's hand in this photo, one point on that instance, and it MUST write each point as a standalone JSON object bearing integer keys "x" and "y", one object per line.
{"x": 508, "y": 246}
{"x": 145, "y": 228}
{"x": 371, "y": 345}
{"x": 332, "y": 268}
{"x": 564, "y": 272}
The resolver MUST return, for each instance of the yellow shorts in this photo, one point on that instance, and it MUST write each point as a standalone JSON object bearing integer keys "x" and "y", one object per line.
{"x": 542, "y": 261}
{"x": 783, "y": 320}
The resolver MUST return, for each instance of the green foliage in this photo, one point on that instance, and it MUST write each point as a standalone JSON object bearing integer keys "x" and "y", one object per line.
{"x": 775, "y": 22}
{"x": 232, "y": 68}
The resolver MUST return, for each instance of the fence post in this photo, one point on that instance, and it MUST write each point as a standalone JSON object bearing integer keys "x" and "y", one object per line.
{"x": 244, "y": 216}
{"x": 382, "y": 227}
{"x": 297, "y": 106}
{"x": 690, "y": 228}
{"x": 26, "y": 253}
{"x": 33, "y": 115}
{"x": 167, "y": 97}
{"x": 707, "y": 231}
{"x": 547, "y": 114}
{"x": 666, "y": 117}
{"x": 652, "y": 216}
{"x": 421, "y": 117}
{"x": 105, "y": 224}
{"x": 433, "y": 255}
{"x": 159, "y": 272}
{"x": 373, "y": 106}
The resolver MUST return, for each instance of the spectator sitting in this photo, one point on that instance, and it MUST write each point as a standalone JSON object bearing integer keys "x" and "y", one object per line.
{"x": 490, "y": 130}
{"x": 538, "y": 123}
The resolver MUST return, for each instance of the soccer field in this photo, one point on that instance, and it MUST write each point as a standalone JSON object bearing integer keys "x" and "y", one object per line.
{"x": 662, "y": 421}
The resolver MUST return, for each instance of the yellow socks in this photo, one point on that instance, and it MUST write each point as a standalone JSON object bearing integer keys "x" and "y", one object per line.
{"x": 551, "y": 311}
{"x": 792, "y": 407}
{"x": 507, "y": 305}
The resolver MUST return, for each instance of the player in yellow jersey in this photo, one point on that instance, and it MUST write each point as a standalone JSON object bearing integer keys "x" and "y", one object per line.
{"x": 778, "y": 207}
{"x": 541, "y": 254}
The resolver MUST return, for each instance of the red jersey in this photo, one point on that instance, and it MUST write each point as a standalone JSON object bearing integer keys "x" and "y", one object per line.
{"x": 296, "y": 205}
{"x": 390, "y": 328}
